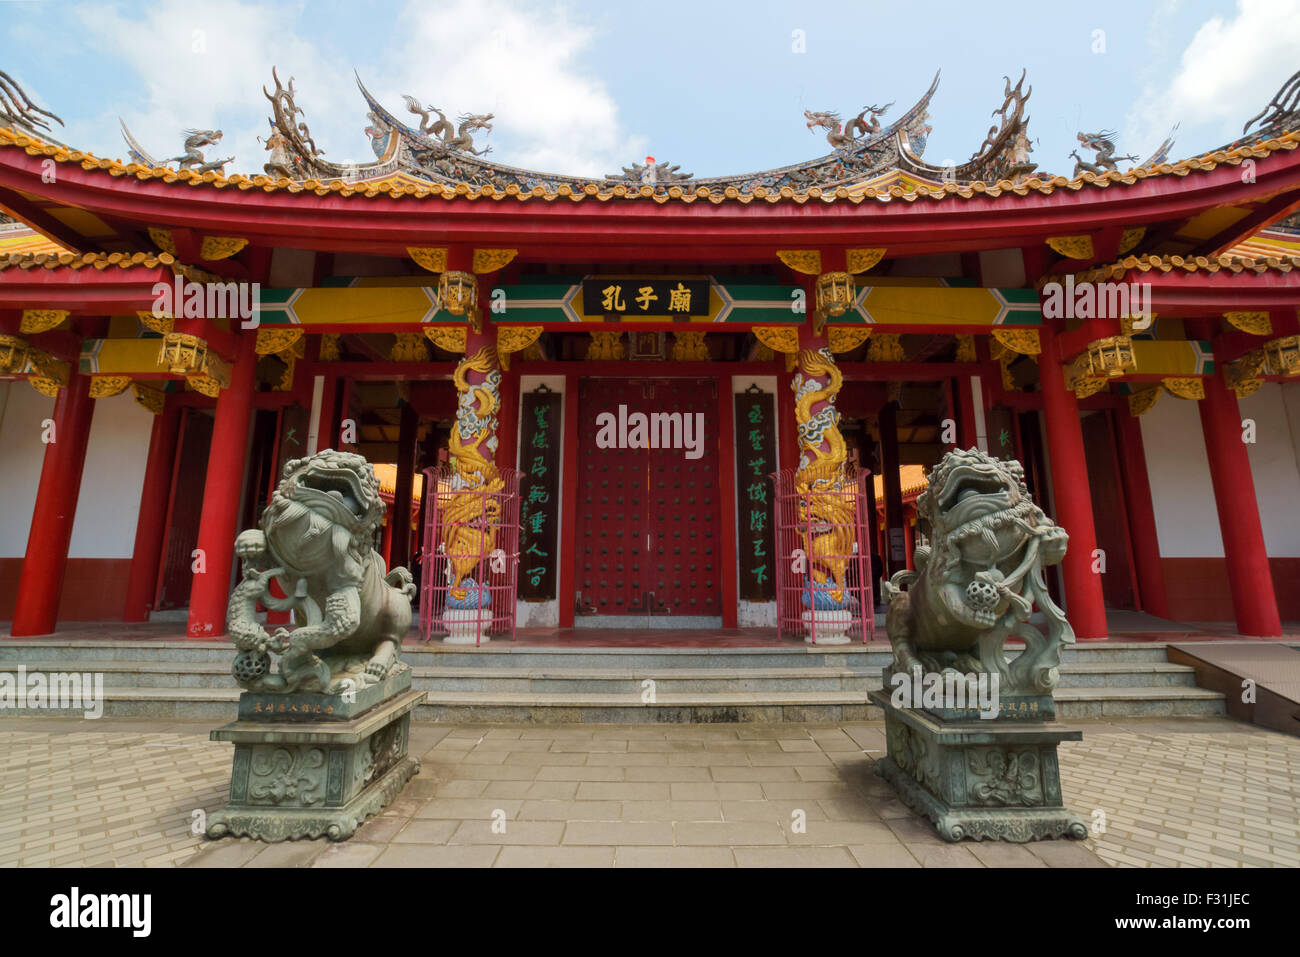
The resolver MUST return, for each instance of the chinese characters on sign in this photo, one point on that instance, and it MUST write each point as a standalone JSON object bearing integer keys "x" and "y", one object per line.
{"x": 680, "y": 298}
{"x": 539, "y": 490}
{"x": 755, "y": 461}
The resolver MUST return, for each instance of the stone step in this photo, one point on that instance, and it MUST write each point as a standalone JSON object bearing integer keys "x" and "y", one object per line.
{"x": 471, "y": 706}
{"x": 216, "y": 674}
{"x": 505, "y": 654}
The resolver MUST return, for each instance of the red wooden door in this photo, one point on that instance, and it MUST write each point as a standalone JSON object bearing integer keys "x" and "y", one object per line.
{"x": 184, "y": 511}
{"x": 649, "y": 519}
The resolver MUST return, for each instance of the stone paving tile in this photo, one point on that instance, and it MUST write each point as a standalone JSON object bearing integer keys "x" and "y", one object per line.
{"x": 555, "y": 857}
{"x": 674, "y": 857}
{"x": 1199, "y": 792}
{"x": 794, "y": 857}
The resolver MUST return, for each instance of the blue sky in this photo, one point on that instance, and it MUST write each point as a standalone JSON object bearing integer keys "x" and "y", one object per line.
{"x": 586, "y": 87}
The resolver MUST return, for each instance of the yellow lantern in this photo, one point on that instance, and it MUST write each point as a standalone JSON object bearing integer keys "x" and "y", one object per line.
{"x": 13, "y": 354}
{"x": 183, "y": 354}
{"x": 1283, "y": 356}
{"x": 835, "y": 293}
{"x": 458, "y": 291}
{"x": 1111, "y": 357}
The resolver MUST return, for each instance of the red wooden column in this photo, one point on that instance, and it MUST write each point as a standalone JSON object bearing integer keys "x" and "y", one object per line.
{"x": 41, "y": 581}
{"x": 403, "y": 486}
{"x": 1249, "y": 576}
{"x": 221, "y": 492}
{"x": 1085, "y": 606}
{"x": 507, "y": 456}
{"x": 1141, "y": 516}
{"x": 151, "y": 525}
{"x": 568, "y": 557}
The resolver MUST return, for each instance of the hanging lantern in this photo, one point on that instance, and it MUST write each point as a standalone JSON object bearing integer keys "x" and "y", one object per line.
{"x": 183, "y": 354}
{"x": 835, "y": 293}
{"x": 1283, "y": 356}
{"x": 1111, "y": 357}
{"x": 13, "y": 355}
{"x": 458, "y": 291}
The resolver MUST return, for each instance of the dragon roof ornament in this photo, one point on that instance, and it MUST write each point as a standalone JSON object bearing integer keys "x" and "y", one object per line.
{"x": 192, "y": 158}
{"x": 18, "y": 111}
{"x": 867, "y": 150}
{"x": 1282, "y": 112}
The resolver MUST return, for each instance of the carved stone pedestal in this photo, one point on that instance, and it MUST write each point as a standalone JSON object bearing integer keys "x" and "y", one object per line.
{"x": 309, "y": 774}
{"x": 984, "y": 779}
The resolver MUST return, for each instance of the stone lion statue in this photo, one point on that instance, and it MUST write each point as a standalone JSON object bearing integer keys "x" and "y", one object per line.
{"x": 316, "y": 540}
{"x": 980, "y": 578}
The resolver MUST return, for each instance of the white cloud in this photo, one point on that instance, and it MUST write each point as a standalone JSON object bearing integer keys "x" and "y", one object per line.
{"x": 204, "y": 67}
{"x": 1229, "y": 71}
{"x": 496, "y": 56}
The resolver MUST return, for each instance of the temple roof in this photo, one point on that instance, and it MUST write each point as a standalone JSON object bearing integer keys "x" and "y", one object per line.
{"x": 399, "y": 186}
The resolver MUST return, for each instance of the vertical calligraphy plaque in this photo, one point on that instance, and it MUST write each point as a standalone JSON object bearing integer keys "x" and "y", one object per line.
{"x": 539, "y": 493}
{"x": 755, "y": 461}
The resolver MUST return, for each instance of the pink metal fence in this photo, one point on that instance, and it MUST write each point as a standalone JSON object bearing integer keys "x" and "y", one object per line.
{"x": 469, "y": 560}
{"x": 823, "y": 566}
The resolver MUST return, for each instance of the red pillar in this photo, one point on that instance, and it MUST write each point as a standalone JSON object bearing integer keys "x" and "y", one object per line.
{"x": 786, "y": 427}
{"x": 569, "y": 502}
{"x": 221, "y": 492}
{"x": 151, "y": 525}
{"x": 1141, "y": 516}
{"x": 1249, "y": 576}
{"x": 399, "y": 515}
{"x": 41, "y": 581}
{"x": 909, "y": 529}
{"x": 1084, "y": 605}
{"x": 507, "y": 455}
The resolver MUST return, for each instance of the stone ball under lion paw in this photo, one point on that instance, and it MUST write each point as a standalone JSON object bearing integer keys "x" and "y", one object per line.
{"x": 250, "y": 665}
{"x": 981, "y": 594}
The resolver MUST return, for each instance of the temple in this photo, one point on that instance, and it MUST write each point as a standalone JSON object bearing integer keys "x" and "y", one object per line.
{"x": 614, "y": 388}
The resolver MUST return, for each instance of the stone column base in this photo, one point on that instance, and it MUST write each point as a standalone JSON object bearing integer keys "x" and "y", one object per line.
{"x": 305, "y": 779}
{"x": 986, "y": 780}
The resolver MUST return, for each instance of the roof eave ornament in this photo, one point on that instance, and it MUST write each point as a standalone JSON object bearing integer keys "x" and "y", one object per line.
{"x": 1282, "y": 112}
{"x": 18, "y": 111}
{"x": 440, "y": 131}
{"x": 294, "y": 154}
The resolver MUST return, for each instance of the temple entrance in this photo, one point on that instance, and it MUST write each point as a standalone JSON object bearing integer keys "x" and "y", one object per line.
{"x": 649, "y": 510}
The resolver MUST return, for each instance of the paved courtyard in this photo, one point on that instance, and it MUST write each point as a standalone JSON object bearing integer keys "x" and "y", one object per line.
{"x": 1190, "y": 792}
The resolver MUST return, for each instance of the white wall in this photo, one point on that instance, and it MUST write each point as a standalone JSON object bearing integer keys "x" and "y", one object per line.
{"x": 1273, "y": 465}
{"x": 21, "y": 415}
{"x": 109, "y": 503}
{"x": 1187, "y": 522}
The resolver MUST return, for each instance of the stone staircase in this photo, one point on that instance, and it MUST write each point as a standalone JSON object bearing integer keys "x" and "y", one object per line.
{"x": 502, "y": 682}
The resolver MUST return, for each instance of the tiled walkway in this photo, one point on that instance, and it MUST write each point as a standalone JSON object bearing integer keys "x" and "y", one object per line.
{"x": 119, "y": 792}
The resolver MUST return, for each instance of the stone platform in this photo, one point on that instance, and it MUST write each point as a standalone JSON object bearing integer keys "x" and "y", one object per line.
{"x": 987, "y": 780}
{"x": 315, "y": 778}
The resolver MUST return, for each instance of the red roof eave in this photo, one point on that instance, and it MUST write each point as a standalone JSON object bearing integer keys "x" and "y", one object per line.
{"x": 642, "y": 228}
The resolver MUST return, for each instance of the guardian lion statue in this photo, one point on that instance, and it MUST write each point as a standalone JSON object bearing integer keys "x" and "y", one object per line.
{"x": 980, "y": 578}
{"x": 316, "y": 539}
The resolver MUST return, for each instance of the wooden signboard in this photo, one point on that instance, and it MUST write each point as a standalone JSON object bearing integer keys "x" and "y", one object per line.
{"x": 539, "y": 493}
{"x": 755, "y": 461}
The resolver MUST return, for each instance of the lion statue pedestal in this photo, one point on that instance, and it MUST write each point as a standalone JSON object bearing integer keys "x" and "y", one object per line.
{"x": 983, "y": 769}
{"x": 321, "y": 740}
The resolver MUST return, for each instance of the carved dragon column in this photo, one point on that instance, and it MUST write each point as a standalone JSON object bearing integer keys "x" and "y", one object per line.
{"x": 469, "y": 519}
{"x": 827, "y": 509}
